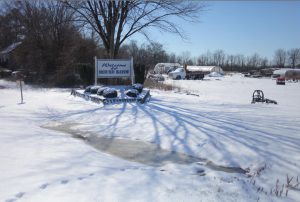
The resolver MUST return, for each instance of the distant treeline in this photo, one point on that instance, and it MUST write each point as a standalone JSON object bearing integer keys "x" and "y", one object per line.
{"x": 58, "y": 51}
{"x": 282, "y": 58}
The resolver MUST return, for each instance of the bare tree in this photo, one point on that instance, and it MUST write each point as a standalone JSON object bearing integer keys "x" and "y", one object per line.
{"x": 185, "y": 57}
{"x": 280, "y": 57}
{"x": 145, "y": 57}
{"x": 240, "y": 60}
{"x": 254, "y": 60}
{"x": 202, "y": 60}
{"x": 264, "y": 62}
{"x": 51, "y": 44}
{"x": 231, "y": 61}
{"x": 294, "y": 56}
{"x": 219, "y": 57}
{"x": 116, "y": 21}
{"x": 172, "y": 58}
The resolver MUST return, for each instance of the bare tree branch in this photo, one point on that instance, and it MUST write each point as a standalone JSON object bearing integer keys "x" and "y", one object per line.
{"x": 116, "y": 21}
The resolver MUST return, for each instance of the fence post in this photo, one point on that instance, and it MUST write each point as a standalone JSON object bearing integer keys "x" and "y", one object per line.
{"x": 21, "y": 91}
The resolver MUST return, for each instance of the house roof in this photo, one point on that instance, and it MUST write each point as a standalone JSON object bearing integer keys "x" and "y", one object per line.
{"x": 10, "y": 48}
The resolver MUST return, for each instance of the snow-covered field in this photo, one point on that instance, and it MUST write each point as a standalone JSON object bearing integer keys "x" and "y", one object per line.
{"x": 219, "y": 126}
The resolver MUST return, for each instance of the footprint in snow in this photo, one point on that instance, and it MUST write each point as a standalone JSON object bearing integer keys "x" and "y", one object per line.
{"x": 44, "y": 186}
{"x": 81, "y": 178}
{"x": 201, "y": 172}
{"x": 20, "y": 194}
{"x": 64, "y": 181}
{"x": 84, "y": 177}
{"x": 10, "y": 200}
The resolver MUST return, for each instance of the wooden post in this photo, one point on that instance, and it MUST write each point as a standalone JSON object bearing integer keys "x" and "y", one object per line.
{"x": 96, "y": 70}
{"x": 21, "y": 91}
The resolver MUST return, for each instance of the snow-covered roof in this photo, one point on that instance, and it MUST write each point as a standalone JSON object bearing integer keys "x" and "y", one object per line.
{"x": 296, "y": 70}
{"x": 282, "y": 71}
{"x": 167, "y": 65}
{"x": 10, "y": 48}
{"x": 202, "y": 68}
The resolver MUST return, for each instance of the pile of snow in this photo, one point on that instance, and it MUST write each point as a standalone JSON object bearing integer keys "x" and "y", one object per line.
{"x": 138, "y": 87}
{"x": 110, "y": 93}
{"x": 215, "y": 74}
{"x": 101, "y": 90}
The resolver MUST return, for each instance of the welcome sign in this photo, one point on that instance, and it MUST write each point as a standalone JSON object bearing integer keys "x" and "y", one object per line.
{"x": 113, "y": 68}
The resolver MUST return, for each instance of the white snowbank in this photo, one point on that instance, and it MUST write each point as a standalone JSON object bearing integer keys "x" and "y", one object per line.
{"x": 37, "y": 164}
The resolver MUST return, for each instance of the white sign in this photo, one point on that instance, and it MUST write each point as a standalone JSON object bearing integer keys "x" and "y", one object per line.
{"x": 114, "y": 68}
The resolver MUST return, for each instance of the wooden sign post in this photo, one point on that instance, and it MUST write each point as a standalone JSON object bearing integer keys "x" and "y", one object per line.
{"x": 19, "y": 79}
{"x": 21, "y": 89}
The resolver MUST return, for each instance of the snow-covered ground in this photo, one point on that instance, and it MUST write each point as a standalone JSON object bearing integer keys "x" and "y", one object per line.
{"x": 220, "y": 126}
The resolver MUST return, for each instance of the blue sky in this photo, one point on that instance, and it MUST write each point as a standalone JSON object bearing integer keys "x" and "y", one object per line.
{"x": 238, "y": 27}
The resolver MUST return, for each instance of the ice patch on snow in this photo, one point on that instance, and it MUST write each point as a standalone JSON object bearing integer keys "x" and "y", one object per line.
{"x": 139, "y": 151}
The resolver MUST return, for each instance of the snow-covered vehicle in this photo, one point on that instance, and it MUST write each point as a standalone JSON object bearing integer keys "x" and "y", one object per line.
{"x": 280, "y": 81}
{"x": 177, "y": 74}
{"x": 181, "y": 73}
{"x": 156, "y": 77}
{"x": 165, "y": 68}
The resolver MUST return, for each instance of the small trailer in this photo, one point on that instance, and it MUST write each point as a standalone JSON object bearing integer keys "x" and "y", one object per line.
{"x": 194, "y": 75}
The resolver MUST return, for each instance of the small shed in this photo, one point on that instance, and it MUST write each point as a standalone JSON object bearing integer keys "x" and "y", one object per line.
{"x": 206, "y": 69}
{"x": 165, "y": 68}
